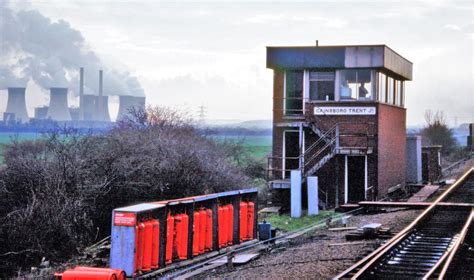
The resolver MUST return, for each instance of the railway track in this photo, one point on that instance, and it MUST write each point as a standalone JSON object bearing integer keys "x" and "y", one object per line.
{"x": 184, "y": 269}
{"x": 430, "y": 245}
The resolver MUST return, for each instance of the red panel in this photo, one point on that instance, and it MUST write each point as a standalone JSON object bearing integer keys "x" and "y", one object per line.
{"x": 125, "y": 219}
{"x": 155, "y": 251}
{"x": 181, "y": 241}
{"x": 208, "y": 242}
{"x": 140, "y": 245}
{"x": 250, "y": 220}
{"x": 148, "y": 244}
{"x": 222, "y": 228}
{"x": 169, "y": 239}
{"x": 230, "y": 224}
{"x": 196, "y": 232}
{"x": 202, "y": 230}
{"x": 243, "y": 221}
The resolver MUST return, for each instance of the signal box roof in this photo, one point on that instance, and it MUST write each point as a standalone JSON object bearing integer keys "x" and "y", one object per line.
{"x": 340, "y": 57}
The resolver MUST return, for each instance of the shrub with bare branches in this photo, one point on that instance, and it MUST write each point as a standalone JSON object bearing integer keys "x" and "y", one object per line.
{"x": 57, "y": 193}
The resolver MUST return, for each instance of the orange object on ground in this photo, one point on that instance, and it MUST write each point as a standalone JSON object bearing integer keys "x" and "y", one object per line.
{"x": 181, "y": 240}
{"x": 222, "y": 228}
{"x": 155, "y": 247}
{"x": 169, "y": 239}
{"x": 202, "y": 230}
{"x": 243, "y": 215}
{"x": 208, "y": 241}
{"x": 90, "y": 274}
{"x": 250, "y": 220}
{"x": 230, "y": 225}
{"x": 118, "y": 272}
{"x": 147, "y": 246}
{"x": 196, "y": 232}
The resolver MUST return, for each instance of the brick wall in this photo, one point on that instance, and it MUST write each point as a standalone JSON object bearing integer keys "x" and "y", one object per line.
{"x": 391, "y": 147}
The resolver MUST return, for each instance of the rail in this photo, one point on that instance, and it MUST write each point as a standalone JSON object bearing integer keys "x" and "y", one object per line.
{"x": 268, "y": 242}
{"x": 369, "y": 261}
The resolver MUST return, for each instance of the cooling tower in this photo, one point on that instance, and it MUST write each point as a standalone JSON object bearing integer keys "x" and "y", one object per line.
{"x": 17, "y": 104}
{"x": 126, "y": 103}
{"x": 58, "y": 109}
{"x": 102, "y": 113}
{"x": 89, "y": 107}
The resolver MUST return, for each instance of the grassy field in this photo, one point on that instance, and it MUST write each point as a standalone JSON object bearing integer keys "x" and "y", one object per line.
{"x": 258, "y": 146}
{"x": 7, "y": 137}
{"x": 286, "y": 223}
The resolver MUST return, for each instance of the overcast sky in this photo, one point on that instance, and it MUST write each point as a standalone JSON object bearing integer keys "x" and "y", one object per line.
{"x": 189, "y": 54}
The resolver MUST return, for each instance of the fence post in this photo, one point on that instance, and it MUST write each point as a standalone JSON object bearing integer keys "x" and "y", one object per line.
{"x": 295, "y": 193}
{"x": 313, "y": 199}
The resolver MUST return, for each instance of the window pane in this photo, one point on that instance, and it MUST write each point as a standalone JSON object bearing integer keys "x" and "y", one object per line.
{"x": 390, "y": 90}
{"x": 294, "y": 92}
{"x": 321, "y": 85}
{"x": 364, "y": 84}
{"x": 398, "y": 93}
{"x": 348, "y": 86}
{"x": 356, "y": 84}
{"x": 402, "y": 95}
{"x": 382, "y": 87}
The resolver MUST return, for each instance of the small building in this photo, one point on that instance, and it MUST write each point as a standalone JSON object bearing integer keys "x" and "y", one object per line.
{"x": 339, "y": 114}
{"x": 431, "y": 159}
{"x": 413, "y": 159}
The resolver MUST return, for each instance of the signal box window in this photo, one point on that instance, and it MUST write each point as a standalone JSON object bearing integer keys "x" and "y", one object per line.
{"x": 355, "y": 85}
{"x": 294, "y": 92}
{"x": 321, "y": 86}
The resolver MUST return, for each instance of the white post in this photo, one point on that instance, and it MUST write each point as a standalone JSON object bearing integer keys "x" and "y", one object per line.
{"x": 313, "y": 200}
{"x": 295, "y": 193}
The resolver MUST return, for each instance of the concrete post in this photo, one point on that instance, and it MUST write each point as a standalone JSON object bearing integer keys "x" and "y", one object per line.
{"x": 295, "y": 193}
{"x": 313, "y": 200}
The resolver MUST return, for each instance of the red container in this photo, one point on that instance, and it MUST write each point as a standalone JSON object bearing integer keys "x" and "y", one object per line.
{"x": 208, "y": 241}
{"x": 169, "y": 239}
{"x": 155, "y": 247}
{"x": 250, "y": 220}
{"x": 230, "y": 224}
{"x": 202, "y": 230}
{"x": 147, "y": 246}
{"x": 222, "y": 228}
{"x": 196, "y": 232}
{"x": 118, "y": 272}
{"x": 243, "y": 215}
{"x": 181, "y": 240}
{"x": 105, "y": 274}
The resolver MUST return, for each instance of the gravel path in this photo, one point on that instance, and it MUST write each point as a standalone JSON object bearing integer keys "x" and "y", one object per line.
{"x": 310, "y": 256}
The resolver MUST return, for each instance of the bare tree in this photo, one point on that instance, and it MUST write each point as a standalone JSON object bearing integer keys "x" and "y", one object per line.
{"x": 57, "y": 193}
{"x": 437, "y": 132}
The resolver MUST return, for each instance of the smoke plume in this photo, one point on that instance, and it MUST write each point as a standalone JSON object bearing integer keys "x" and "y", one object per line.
{"x": 50, "y": 53}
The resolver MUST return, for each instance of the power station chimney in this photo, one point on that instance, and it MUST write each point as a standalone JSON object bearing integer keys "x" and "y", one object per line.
{"x": 128, "y": 103}
{"x": 17, "y": 103}
{"x": 58, "y": 109}
{"x": 81, "y": 94}
{"x": 102, "y": 101}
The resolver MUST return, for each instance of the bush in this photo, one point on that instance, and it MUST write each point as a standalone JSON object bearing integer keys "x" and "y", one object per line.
{"x": 57, "y": 193}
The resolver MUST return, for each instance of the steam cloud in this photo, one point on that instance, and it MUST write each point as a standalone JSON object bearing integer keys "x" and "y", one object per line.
{"x": 50, "y": 53}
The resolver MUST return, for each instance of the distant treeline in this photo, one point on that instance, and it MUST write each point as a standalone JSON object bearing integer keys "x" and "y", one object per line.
{"x": 236, "y": 131}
